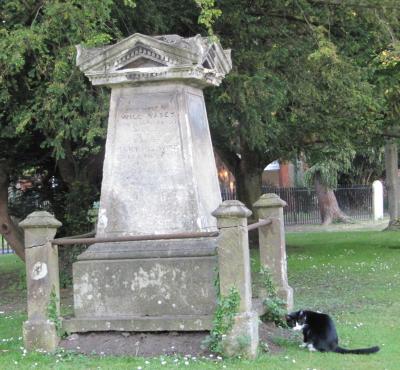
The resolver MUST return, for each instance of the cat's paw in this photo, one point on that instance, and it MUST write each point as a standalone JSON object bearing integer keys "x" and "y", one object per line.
{"x": 303, "y": 345}
{"x": 311, "y": 348}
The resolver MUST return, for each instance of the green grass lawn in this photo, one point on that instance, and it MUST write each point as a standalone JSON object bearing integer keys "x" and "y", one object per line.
{"x": 353, "y": 276}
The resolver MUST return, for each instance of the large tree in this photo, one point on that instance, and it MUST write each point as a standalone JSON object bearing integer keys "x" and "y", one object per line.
{"x": 302, "y": 83}
{"x": 52, "y": 119}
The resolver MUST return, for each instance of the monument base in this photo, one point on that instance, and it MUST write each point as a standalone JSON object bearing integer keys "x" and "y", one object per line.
{"x": 127, "y": 288}
{"x": 139, "y": 324}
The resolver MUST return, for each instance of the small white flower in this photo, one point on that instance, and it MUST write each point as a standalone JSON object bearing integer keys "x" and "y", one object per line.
{"x": 186, "y": 362}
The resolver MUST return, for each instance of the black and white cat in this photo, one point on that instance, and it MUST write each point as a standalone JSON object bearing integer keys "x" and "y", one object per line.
{"x": 319, "y": 333}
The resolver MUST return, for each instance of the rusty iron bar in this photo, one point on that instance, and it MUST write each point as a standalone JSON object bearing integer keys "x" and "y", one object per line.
{"x": 258, "y": 224}
{"x": 89, "y": 241}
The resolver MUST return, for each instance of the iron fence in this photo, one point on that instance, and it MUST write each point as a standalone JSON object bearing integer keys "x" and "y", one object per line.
{"x": 356, "y": 201}
{"x": 302, "y": 203}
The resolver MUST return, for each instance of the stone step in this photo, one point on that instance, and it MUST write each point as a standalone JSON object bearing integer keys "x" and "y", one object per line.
{"x": 138, "y": 323}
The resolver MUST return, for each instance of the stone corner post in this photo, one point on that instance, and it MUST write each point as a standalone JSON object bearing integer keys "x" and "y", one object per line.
{"x": 234, "y": 271}
{"x": 273, "y": 245}
{"x": 377, "y": 200}
{"x": 41, "y": 259}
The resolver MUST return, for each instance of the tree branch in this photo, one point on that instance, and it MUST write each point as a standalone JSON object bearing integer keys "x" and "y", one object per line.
{"x": 10, "y": 231}
{"x": 358, "y": 4}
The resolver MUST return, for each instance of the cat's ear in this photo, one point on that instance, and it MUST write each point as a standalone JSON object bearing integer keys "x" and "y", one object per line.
{"x": 301, "y": 313}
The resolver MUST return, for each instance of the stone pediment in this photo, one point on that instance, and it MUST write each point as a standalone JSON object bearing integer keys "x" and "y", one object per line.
{"x": 143, "y": 58}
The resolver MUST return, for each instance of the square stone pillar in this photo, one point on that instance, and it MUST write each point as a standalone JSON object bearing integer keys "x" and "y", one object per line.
{"x": 42, "y": 275}
{"x": 234, "y": 272}
{"x": 272, "y": 244}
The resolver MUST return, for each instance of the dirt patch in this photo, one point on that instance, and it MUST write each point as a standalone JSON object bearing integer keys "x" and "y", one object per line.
{"x": 156, "y": 344}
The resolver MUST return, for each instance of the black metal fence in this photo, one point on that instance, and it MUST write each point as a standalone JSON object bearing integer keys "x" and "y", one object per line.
{"x": 5, "y": 248}
{"x": 356, "y": 201}
{"x": 302, "y": 203}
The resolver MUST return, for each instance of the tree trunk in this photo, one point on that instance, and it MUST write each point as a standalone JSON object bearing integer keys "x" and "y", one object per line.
{"x": 392, "y": 183}
{"x": 328, "y": 205}
{"x": 248, "y": 187}
{"x": 248, "y": 174}
{"x": 10, "y": 231}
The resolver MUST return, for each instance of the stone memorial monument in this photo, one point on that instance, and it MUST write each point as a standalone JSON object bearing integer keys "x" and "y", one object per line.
{"x": 159, "y": 177}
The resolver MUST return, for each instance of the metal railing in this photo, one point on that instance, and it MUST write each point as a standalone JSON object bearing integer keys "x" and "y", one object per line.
{"x": 89, "y": 241}
{"x": 302, "y": 203}
{"x": 258, "y": 224}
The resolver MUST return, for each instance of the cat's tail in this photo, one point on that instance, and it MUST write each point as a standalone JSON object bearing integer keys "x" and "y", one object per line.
{"x": 360, "y": 351}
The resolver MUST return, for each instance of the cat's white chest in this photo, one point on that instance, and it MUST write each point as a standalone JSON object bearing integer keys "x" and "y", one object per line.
{"x": 298, "y": 327}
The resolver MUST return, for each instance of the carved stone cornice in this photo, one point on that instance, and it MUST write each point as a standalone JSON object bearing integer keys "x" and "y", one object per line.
{"x": 141, "y": 58}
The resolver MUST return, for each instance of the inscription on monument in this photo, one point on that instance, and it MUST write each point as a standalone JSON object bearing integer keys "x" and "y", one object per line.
{"x": 147, "y": 136}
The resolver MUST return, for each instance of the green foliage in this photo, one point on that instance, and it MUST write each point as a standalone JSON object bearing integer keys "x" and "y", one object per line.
{"x": 387, "y": 75}
{"x": 308, "y": 78}
{"x": 73, "y": 209}
{"x": 92, "y": 213}
{"x": 208, "y": 14}
{"x": 227, "y": 308}
{"x": 78, "y": 201}
{"x": 275, "y": 306}
{"x": 303, "y": 83}
{"x": 42, "y": 90}
{"x": 53, "y": 313}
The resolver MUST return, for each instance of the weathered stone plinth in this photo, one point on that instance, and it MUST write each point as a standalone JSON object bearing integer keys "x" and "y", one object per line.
{"x": 159, "y": 177}
{"x": 168, "y": 283}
